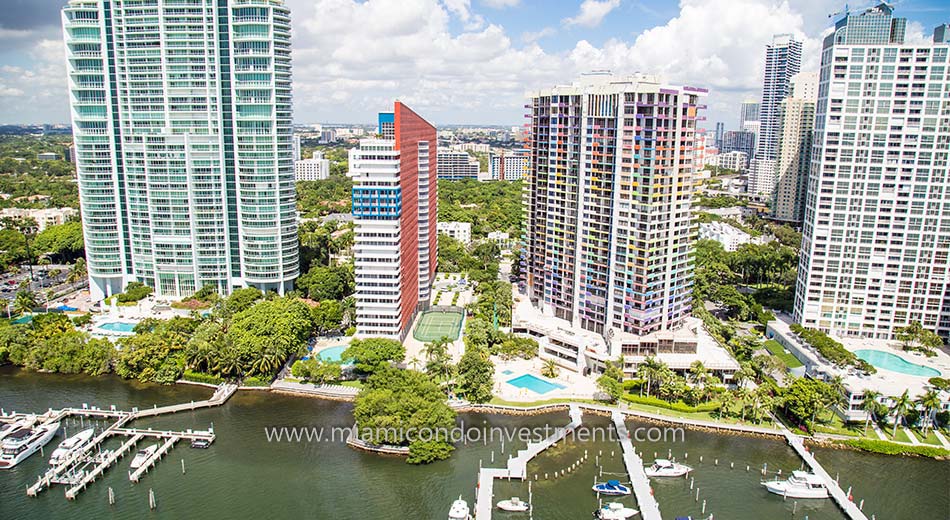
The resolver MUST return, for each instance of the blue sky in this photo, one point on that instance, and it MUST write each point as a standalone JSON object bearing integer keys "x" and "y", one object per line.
{"x": 472, "y": 61}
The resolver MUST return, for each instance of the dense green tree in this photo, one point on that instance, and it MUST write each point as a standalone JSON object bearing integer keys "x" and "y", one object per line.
{"x": 371, "y": 354}
{"x": 316, "y": 371}
{"x": 328, "y": 316}
{"x": 240, "y": 300}
{"x": 24, "y": 301}
{"x": 270, "y": 332}
{"x": 327, "y": 283}
{"x": 475, "y": 376}
{"x": 915, "y": 337}
{"x": 488, "y": 206}
{"x": 64, "y": 242}
{"x": 806, "y": 397}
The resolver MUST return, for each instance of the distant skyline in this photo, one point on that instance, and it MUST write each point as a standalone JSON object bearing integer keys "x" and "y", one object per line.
{"x": 473, "y": 61}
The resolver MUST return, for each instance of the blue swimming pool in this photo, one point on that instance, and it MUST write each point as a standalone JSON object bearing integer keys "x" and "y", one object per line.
{"x": 535, "y": 384}
{"x": 332, "y": 354}
{"x": 888, "y": 361}
{"x": 117, "y": 326}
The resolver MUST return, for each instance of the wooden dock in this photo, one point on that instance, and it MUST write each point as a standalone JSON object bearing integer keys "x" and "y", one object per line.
{"x": 844, "y": 501}
{"x": 135, "y": 475}
{"x": 74, "y": 471}
{"x": 649, "y": 507}
{"x": 517, "y": 466}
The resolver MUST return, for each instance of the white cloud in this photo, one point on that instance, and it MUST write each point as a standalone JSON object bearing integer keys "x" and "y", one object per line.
{"x": 592, "y": 12}
{"x": 38, "y": 93}
{"x": 462, "y": 9}
{"x": 533, "y": 36}
{"x": 500, "y": 4}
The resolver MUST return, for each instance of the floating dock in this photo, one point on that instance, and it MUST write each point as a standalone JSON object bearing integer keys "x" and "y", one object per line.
{"x": 649, "y": 507}
{"x": 84, "y": 466}
{"x": 517, "y": 466}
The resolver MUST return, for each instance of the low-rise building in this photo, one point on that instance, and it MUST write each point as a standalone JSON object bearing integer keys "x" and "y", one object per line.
{"x": 313, "y": 169}
{"x": 44, "y": 217}
{"x": 454, "y": 165}
{"x": 47, "y": 156}
{"x": 504, "y": 240}
{"x": 461, "y": 231}
{"x": 729, "y": 236}
{"x": 737, "y": 161}
{"x": 508, "y": 165}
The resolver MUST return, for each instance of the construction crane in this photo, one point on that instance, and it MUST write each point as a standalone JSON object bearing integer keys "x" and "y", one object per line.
{"x": 845, "y": 12}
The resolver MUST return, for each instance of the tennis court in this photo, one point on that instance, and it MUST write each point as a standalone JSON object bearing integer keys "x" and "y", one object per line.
{"x": 434, "y": 325}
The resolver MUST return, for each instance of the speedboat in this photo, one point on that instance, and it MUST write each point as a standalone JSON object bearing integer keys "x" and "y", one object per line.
{"x": 201, "y": 444}
{"x": 515, "y": 504}
{"x": 142, "y": 456}
{"x": 615, "y": 511}
{"x": 667, "y": 468}
{"x": 611, "y": 487}
{"x": 459, "y": 510}
{"x": 71, "y": 445}
{"x": 24, "y": 442}
{"x": 800, "y": 485}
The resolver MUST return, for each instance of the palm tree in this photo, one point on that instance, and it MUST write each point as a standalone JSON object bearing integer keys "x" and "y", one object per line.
{"x": 871, "y": 407}
{"x": 698, "y": 373}
{"x": 901, "y": 405}
{"x": 549, "y": 368}
{"x": 650, "y": 370}
{"x": 25, "y": 301}
{"x": 931, "y": 403}
{"x": 745, "y": 373}
{"x": 77, "y": 272}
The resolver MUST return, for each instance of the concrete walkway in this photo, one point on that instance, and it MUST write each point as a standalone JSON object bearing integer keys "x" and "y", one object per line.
{"x": 911, "y": 436}
{"x": 941, "y": 438}
{"x": 878, "y": 432}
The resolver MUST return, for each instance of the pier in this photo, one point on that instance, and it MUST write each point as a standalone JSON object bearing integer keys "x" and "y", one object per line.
{"x": 85, "y": 465}
{"x": 649, "y": 507}
{"x": 843, "y": 500}
{"x": 517, "y": 466}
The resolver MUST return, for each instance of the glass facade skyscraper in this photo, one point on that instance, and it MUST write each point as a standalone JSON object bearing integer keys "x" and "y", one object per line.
{"x": 182, "y": 121}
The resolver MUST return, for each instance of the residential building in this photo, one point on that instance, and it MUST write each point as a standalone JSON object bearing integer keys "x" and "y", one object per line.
{"x": 508, "y": 165}
{"x": 729, "y": 236}
{"x": 71, "y": 153}
{"x": 607, "y": 201}
{"x": 738, "y": 141}
{"x": 296, "y": 148}
{"x": 173, "y": 104}
{"x": 44, "y": 217}
{"x": 720, "y": 131}
{"x": 782, "y": 61}
{"x": 502, "y": 239}
{"x": 461, "y": 231}
{"x": 456, "y": 165}
{"x": 797, "y": 121}
{"x": 737, "y": 161}
{"x": 47, "y": 156}
{"x": 394, "y": 209}
{"x": 471, "y": 147}
{"x": 877, "y": 211}
{"x": 314, "y": 169}
{"x": 748, "y": 113}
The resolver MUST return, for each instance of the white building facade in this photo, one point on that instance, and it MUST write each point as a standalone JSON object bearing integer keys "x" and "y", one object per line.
{"x": 877, "y": 214}
{"x": 456, "y": 165}
{"x": 182, "y": 123}
{"x": 508, "y": 165}
{"x": 461, "y": 231}
{"x": 797, "y": 121}
{"x": 314, "y": 169}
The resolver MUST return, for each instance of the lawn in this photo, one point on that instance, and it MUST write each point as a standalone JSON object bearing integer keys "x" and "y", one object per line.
{"x": 900, "y": 437}
{"x": 929, "y": 439}
{"x": 777, "y": 350}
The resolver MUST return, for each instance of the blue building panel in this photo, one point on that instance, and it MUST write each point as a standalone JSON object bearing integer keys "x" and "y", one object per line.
{"x": 375, "y": 202}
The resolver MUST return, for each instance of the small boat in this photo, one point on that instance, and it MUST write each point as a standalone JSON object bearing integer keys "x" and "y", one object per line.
{"x": 611, "y": 487}
{"x": 142, "y": 456}
{"x": 800, "y": 485}
{"x": 459, "y": 510}
{"x": 201, "y": 444}
{"x": 25, "y": 441}
{"x": 667, "y": 468}
{"x": 71, "y": 445}
{"x": 515, "y": 505}
{"x": 615, "y": 511}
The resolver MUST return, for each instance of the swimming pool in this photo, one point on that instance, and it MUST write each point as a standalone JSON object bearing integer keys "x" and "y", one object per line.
{"x": 117, "y": 326}
{"x": 332, "y": 354}
{"x": 535, "y": 384}
{"x": 888, "y": 361}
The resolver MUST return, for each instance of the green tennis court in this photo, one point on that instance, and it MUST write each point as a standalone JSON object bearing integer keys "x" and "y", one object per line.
{"x": 434, "y": 325}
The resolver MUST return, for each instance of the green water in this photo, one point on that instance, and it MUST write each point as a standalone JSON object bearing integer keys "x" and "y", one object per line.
{"x": 244, "y": 476}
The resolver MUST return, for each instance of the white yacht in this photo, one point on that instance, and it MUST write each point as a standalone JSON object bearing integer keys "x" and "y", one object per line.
{"x": 459, "y": 510}
{"x": 615, "y": 511}
{"x": 25, "y": 441}
{"x": 143, "y": 455}
{"x": 800, "y": 485}
{"x": 514, "y": 504}
{"x": 8, "y": 428}
{"x": 71, "y": 445}
{"x": 667, "y": 468}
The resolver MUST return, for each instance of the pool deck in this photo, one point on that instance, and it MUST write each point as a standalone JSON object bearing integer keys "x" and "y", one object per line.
{"x": 575, "y": 386}
{"x": 889, "y": 382}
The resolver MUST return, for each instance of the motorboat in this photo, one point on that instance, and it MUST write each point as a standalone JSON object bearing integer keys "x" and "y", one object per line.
{"x": 514, "y": 504}
{"x": 615, "y": 511}
{"x": 459, "y": 510}
{"x": 25, "y": 441}
{"x": 611, "y": 487}
{"x": 71, "y": 445}
{"x": 667, "y": 468}
{"x": 201, "y": 443}
{"x": 801, "y": 484}
{"x": 142, "y": 456}
{"x": 8, "y": 428}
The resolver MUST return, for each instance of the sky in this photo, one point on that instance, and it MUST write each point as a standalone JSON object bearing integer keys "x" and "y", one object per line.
{"x": 474, "y": 61}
